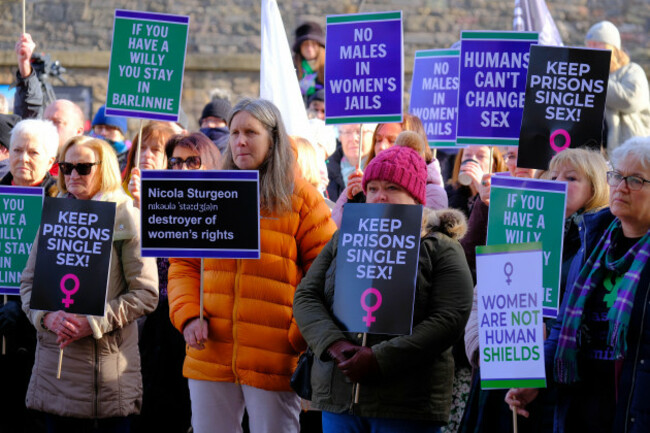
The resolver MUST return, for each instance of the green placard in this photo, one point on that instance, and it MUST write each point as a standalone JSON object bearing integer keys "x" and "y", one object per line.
{"x": 531, "y": 210}
{"x": 145, "y": 77}
{"x": 20, "y": 217}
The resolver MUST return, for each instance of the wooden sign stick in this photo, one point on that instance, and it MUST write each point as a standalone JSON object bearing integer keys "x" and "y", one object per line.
{"x": 58, "y": 371}
{"x": 357, "y": 386}
{"x": 136, "y": 163}
{"x": 201, "y": 296}
{"x": 360, "y": 145}
{"x": 4, "y": 341}
{"x": 491, "y": 160}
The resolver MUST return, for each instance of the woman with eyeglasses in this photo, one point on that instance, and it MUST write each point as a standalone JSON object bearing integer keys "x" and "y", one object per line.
{"x": 586, "y": 217}
{"x": 165, "y": 398}
{"x": 192, "y": 152}
{"x": 101, "y": 385}
{"x": 243, "y": 352}
{"x": 598, "y": 349}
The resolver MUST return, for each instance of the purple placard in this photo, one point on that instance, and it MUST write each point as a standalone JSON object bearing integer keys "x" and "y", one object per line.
{"x": 364, "y": 68}
{"x": 138, "y": 15}
{"x": 493, "y": 67}
{"x": 25, "y": 190}
{"x": 244, "y": 175}
{"x": 142, "y": 114}
{"x": 434, "y": 94}
{"x": 532, "y": 184}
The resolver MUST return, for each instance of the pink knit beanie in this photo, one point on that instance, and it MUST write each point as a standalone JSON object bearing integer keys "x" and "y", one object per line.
{"x": 402, "y": 166}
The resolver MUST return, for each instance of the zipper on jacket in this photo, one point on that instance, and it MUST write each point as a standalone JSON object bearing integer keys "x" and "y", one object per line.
{"x": 96, "y": 380}
{"x": 584, "y": 240}
{"x": 636, "y": 360}
{"x": 234, "y": 319}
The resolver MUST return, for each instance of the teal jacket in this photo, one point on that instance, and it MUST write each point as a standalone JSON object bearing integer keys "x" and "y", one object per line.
{"x": 417, "y": 370}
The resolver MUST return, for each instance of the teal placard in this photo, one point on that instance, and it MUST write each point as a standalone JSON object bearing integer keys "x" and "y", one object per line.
{"x": 20, "y": 217}
{"x": 145, "y": 77}
{"x": 531, "y": 210}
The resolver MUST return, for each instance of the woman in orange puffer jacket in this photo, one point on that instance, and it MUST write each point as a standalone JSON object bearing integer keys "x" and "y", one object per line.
{"x": 243, "y": 353}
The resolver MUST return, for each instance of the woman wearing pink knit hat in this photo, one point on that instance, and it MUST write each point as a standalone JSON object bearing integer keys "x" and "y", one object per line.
{"x": 406, "y": 379}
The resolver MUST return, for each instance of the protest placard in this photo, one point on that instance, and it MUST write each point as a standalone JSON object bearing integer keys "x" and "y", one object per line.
{"x": 493, "y": 68}
{"x": 564, "y": 107}
{"x": 434, "y": 94}
{"x": 364, "y": 68}
{"x": 196, "y": 213}
{"x": 73, "y": 257}
{"x": 531, "y": 210}
{"x": 376, "y": 268}
{"x": 145, "y": 77}
{"x": 20, "y": 217}
{"x": 511, "y": 329}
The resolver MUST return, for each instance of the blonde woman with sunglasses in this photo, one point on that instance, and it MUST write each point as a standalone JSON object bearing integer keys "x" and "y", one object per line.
{"x": 101, "y": 386}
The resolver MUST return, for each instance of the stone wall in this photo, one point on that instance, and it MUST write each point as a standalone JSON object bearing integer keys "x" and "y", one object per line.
{"x": 224, "y": 43}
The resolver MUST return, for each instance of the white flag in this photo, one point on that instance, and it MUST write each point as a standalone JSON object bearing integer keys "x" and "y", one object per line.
{"x": 533, "y": 16}
{"x": 278, "y": 80}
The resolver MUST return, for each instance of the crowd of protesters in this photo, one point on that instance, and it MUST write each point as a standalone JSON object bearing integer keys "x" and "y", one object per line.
{"x": 156, "y": 362}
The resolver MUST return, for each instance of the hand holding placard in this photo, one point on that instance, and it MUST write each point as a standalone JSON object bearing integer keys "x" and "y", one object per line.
{"x": 519, "y": 398}
{"x": 196, "y": 333}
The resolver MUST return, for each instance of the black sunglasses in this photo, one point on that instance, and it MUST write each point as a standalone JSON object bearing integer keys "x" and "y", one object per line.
{"x": 83, "y": 168}
{"x": 192, "y": 162}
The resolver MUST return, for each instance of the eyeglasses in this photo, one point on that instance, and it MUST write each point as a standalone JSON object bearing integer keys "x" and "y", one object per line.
{"x": 83, "y": 168}
{"x": 191, "y": 162}
{"x": 635, "y": 183}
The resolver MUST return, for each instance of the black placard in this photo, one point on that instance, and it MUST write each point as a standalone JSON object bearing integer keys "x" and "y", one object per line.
{"x": 200, "y": 214}
{"x": 376, "y": 268}
{"x": 73, "y": 257}
{"x": 564, "y": 107}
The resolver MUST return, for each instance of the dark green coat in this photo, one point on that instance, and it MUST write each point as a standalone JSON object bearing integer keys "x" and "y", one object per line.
{"x": 417, "y": 370}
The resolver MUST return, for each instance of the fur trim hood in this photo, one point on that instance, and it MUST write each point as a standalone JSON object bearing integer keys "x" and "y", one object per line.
{"x": 450, "y": 222}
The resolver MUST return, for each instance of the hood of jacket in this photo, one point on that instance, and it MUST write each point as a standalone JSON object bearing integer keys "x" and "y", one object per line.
{"x": 450, "y": 222}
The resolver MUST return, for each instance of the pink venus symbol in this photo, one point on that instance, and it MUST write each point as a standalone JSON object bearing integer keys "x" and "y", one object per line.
{"x": 370, "y": 308}
{"x": 67, "y": 301}
{"x": 567, "y": 140}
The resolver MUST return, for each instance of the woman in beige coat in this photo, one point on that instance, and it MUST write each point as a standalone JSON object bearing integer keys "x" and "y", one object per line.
{"x": 100, "y": 384}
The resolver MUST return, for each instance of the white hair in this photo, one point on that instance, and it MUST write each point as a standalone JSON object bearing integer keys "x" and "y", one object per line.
{"x": 637, "y": 147}
{"x": 43, "y": 131}
{"x": 219, "y": 93}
